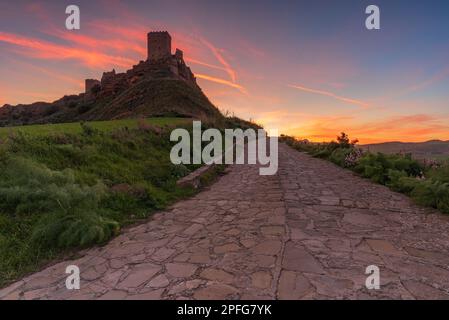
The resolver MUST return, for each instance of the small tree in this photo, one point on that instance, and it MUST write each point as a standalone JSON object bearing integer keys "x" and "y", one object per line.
{"x": 344, "y": 142}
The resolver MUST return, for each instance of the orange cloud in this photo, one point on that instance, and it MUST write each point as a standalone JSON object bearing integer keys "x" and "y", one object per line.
{"x": 96, "y": 43}
{"x": 222, "y": 81}
{"x": 330, "y": 94}
{"x": 45, "y": 50}
{"x": 411, "y": 128}
{"x": 216, "y": 52}
{"x": 205, "y": 64}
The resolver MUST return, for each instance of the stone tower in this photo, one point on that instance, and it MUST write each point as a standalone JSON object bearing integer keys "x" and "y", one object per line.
{"x": 159, "y": 45}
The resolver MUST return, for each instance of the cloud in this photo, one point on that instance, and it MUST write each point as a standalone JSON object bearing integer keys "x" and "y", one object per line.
{"x": 204, "y": 64}
{"x": 46, "y": 50}
{"x": 222, "y": 81}
{"x": 131, "y": 32}
{"x": 438, "y": 77}
{"x": 102, "y": 43}
{"x": 330, "y": 94}
{"x": 216, "y": 52}
{"x": 409, "y": 128}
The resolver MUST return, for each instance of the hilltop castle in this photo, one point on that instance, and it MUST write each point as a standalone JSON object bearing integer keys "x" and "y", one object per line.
{"x": 160, "y": 63}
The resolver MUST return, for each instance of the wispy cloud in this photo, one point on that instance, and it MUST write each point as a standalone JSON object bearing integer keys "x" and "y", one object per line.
{"x": 91, "y": 42}
{"x": 330, "y": 94}
{"x": 216, "y": 52}
{"x": 46, "y": 50}
{"x": 222, "y": 81}
{"x": 204, "y": 64}
{"x": 438, "y": 77}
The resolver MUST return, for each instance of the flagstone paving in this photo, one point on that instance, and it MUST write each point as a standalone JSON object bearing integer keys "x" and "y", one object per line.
{"x": 308, "y": 232}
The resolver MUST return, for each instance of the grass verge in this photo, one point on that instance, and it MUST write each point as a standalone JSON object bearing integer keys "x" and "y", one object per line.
{"x": 61, "y": 191}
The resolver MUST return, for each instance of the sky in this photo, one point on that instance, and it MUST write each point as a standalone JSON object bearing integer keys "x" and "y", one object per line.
{"x": 310, "y": 69}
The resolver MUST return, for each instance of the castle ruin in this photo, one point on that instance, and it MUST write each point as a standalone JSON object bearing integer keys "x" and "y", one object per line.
{"x": 160, "y": 64}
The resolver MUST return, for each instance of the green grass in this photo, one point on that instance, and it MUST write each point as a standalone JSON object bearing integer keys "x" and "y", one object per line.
{"x": 75, "y": 128}
{"x": 70, "y": 186}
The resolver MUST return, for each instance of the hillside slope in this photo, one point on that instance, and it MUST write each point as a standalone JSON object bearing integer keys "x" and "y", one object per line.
{"x": 148, "y": 97}
{"x": 429, "y": 149}
{"x": 156, "y": 98}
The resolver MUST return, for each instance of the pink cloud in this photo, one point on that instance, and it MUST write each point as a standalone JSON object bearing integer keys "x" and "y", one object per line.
{"x": 45, "y": 50}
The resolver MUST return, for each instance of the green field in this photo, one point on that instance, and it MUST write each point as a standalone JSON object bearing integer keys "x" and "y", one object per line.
{"x": 75, "y": 128}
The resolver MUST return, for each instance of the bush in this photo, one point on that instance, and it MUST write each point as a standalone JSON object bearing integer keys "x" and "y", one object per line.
{"x": 377, "y": 167}
{"x": 432, "y": 194}
{"x": 74, "y": 229}
{"x": 440, "y": 173}
{"x": 339, "y": 156}
{"x": 87, "y": 129}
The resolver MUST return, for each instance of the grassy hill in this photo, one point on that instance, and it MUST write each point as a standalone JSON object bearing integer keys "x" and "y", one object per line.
{"x": 156, "y": 98}
{"x": 146, "y": 98}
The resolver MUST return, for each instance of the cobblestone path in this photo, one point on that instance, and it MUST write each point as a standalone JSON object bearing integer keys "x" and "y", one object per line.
{"x": 308, "y": 232}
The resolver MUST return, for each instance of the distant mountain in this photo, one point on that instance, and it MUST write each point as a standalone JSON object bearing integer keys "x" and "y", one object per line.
{"x": 429, "y": 149}
{"x": 163, "y": 85}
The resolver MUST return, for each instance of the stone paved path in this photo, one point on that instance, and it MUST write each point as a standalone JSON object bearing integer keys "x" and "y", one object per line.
{"x": 308, "y": 232}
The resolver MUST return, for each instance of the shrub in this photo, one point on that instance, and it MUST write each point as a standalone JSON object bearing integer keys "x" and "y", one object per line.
{"x": 433, "y": 194}
{"x": 377, "y": 166}
{"x": 353, "y": 158}
{"x": 87, "y": 129}
{"x": 339, "y": 156}
{"x": 74, "y": 229}
{"x": 439, "y": 173}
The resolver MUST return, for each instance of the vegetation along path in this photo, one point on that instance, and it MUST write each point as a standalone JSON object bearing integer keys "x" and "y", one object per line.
{"x": 308, "y": 232}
